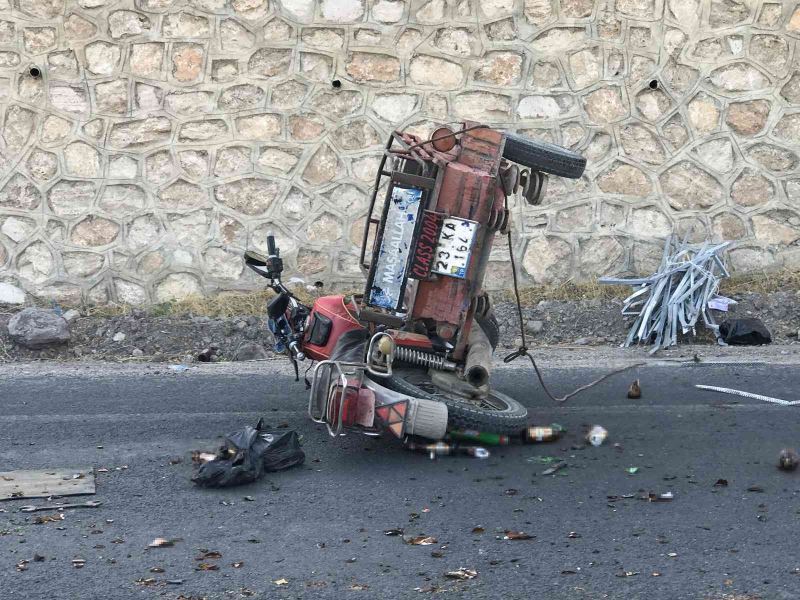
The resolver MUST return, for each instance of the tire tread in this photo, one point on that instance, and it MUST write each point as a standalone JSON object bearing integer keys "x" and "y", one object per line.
{"x": 544, "y": 157}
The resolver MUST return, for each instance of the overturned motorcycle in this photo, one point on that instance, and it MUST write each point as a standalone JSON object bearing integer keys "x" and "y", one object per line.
{"x": 413, "y": 354}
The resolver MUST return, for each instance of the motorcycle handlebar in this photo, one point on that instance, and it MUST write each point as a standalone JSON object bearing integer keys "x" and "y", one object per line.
{"x": 273, "y": 251}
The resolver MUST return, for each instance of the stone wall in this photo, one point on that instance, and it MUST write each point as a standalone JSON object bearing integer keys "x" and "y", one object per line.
{"x": 161, "y": 137}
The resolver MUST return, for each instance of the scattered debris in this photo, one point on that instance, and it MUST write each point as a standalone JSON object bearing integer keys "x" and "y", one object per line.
{"x": 676, "y": 296}
{"x": 478, "y": 529}
{"x": 208, "y": 554}
{"x": 788, "y": 459}
{"x": 393, "y": 532}
{"x": 534, "y": 435}
{"x": 556, "y": 467}
{"x": 199, "y": 457}
{"x": 238, "y": 564}
{"x": 597, "y": 435}
{"x": 517, "y": 535}
{"x": 23, "y": 565}
{"x": 281, "y": 582}
{"x": 744, "y": 332}
{"x": 48, "y": 518}
{"x": 573, "y": 535}
{"x": 46, "y": 483}
{"x": 156, "y": 570}
{"x": 632, "y": 470}
{"x": 721, "y": 303}
{"x": 471, "y": 435}
{"x": 723, "y": 390}
{"x": 160, "y": 542}
{"x": 461, "y": 574}
{"x": 444, "y": 449}
{"x": 206, "y": 567}
{"x": 756, "y": 489}
{"x": 78, "y": 563}
{"x": 543, "y": 460}
{"x": 721, "y": 483}
{"x": 635, "y": 391}
{"x": 653, "y": 497}
{"x": 626, "y": 573}
{"x": 89, "y": 504}
{"x": 420, "y": 540}
{"x": 247, "y": 454}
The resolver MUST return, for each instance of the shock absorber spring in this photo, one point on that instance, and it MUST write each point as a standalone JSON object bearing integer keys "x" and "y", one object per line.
{"x": 425, "y": 359}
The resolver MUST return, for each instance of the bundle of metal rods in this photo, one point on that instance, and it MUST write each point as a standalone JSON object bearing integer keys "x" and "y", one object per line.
{"x": 676, "y": 296}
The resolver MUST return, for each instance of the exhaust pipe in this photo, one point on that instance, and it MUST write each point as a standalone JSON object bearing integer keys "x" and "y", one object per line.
{"x": 479, "y": 357}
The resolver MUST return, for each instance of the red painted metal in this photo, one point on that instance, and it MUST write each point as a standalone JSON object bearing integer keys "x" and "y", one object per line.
{"x": 469, "y": 190}
{"x": 342, "y": 319}
{"x": 411, "y": 340}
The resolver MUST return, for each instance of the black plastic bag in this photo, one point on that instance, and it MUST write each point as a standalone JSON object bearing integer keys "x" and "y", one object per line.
{"x": 744, "y": 332}
{"x": 283, "y": 452}
{"x": 247, "y": 454}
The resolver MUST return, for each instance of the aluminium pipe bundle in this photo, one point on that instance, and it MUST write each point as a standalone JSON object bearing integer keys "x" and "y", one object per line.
{"x": 676, "y": 296}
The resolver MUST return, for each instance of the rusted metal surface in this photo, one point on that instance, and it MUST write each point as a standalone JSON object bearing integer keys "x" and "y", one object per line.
{"x": 468, "y": 191}
{"x": 466, "y": 188}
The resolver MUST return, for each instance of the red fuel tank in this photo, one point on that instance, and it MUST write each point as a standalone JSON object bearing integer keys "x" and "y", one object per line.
{"x": 330, "y": 317}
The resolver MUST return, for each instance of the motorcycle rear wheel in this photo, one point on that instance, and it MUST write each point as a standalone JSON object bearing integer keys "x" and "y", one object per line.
{"x": 498, "y": 413}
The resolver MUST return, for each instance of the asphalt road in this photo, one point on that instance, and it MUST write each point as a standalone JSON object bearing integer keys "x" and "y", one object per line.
{"x": 321, "y": 527}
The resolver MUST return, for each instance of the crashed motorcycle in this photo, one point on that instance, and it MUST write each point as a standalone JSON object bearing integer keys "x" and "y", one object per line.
{"x": 413, "y": 353}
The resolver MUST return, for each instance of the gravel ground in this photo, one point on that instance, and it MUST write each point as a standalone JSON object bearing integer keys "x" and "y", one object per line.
{"x": 599, "y": 322}
{"x": 140, "y": 336}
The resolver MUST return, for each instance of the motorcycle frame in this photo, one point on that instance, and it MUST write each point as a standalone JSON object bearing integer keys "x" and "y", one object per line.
{"x": 463, "y": 183}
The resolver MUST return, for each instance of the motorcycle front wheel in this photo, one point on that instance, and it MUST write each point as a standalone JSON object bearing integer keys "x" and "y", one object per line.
{"x": 497, "y": 413}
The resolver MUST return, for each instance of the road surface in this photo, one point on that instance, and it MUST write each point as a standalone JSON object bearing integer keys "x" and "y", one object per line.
{"x": 317, "y": 531}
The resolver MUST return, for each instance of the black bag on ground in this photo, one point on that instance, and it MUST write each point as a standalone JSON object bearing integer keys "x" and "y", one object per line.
{"x": 283, "y": 452}
{"x": 744, "y": 332}
{"x": 247, "y": 454}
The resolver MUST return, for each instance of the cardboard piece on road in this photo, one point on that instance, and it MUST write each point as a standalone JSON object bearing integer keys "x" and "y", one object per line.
{"x": 45, "y": 483}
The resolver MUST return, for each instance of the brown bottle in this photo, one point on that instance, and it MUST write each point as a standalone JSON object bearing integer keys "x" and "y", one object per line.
{"x": 534, "y": 435}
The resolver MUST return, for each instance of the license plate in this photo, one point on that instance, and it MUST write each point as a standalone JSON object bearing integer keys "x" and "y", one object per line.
{"x": 455, "y": 247}
{"x": 389, "y": 277}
